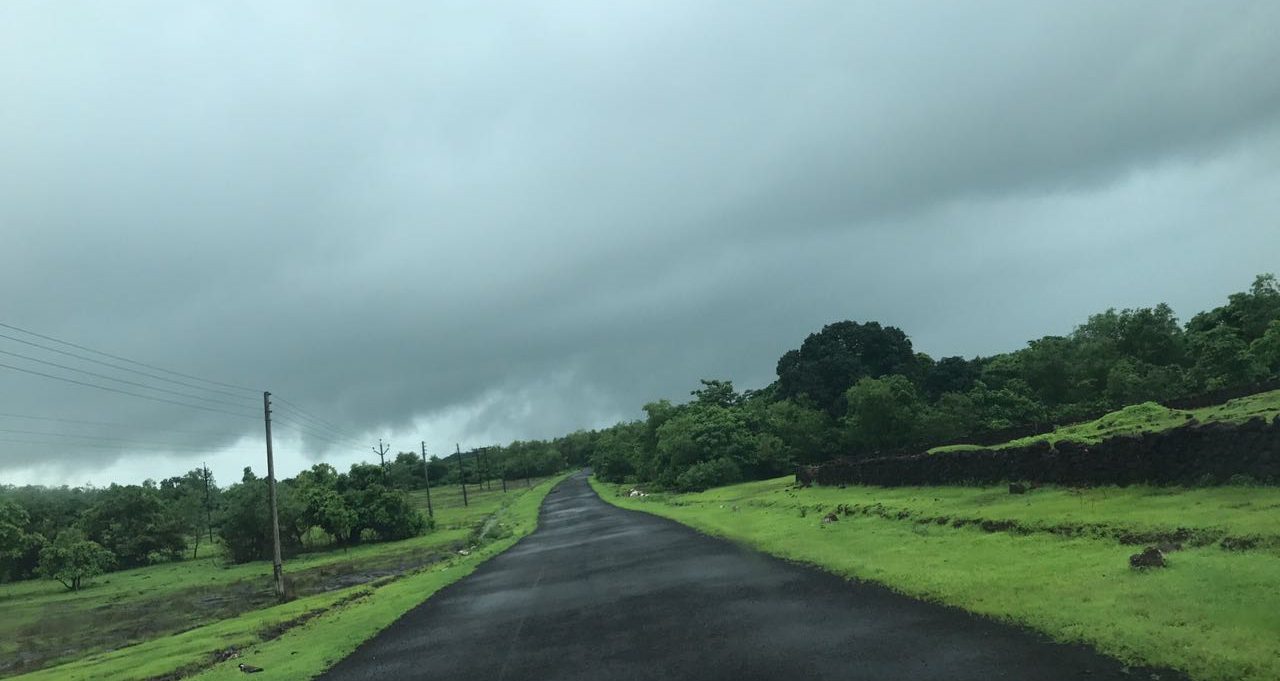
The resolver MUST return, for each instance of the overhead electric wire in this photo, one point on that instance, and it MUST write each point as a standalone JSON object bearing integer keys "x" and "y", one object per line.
{"x": 126, "y": 392}
{"x": 319, "y": 436}
{"x": 290, "y": 420}
{"x": 124, "y": 368}
{"x": 95, "y": 445}
{"x": 211, "y": 400}
{"x": 293, "y": 414}
{"x": 126, "y": 359}
{"x": 302, "y": 413}
{"x": 106, "y": 424}
{"x": 95, "y": 438}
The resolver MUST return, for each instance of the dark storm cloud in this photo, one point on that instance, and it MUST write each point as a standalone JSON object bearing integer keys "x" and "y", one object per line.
{"x": 450, "y": 222}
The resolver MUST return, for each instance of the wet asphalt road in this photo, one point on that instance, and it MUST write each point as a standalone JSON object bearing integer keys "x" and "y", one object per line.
{"x": 599, "y": 593}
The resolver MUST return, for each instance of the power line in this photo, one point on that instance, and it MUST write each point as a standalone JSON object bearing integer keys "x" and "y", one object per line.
{"x": 126, "y": 392}
{"x": 332, "y": 432}
{"x": 303, "y": 429}
{"x": 126, "y": 359}
{"x": 307, "y": 415}
{"x": 124, "y": 368}
{"x": 105, "y": 445}
{"x": 105, "y": 423}
{"x": 211, "y": 400}
{"x": 96, "y": 438}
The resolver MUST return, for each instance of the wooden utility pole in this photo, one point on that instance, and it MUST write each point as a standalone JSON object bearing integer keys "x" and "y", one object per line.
{"x": 276, "y": 567}
{"x": 462, "y": 475}
{"x": 426, "y": 475}
{"x": 208, "y": 507}
{"x": 381, "y": 451}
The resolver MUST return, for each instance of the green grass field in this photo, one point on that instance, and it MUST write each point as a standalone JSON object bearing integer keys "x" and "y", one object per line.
{"x": 151, "y": 621}
{"x": 1146, "y": 417}
{"x": 1213, "y": 613}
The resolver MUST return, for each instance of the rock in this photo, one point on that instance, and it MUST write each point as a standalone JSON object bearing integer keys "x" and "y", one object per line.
{"x": 1169, "y": 547}
{"x": 463, "y": 552}
{"x": 1017, "y": 488}
{"x": 1151, "y": 557}
{"x": 830, "y": 518}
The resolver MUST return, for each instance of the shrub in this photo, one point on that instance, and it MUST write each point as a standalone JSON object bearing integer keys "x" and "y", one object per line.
{"x": 707, "y": 474}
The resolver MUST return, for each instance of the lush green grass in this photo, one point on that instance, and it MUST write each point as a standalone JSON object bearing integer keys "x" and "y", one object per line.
{"x": 217, "y": 604}
{"x": 1212, "y": 613}
{"x": 1146, "y": 417}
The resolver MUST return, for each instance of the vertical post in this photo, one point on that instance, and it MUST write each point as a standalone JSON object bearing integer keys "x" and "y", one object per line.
{"x": 276, "y": 568}
{"x": 504, "y": 483}
{"x": 208, "y": 506}
{"x": 475, "y": 453}
{"x": 426, "y": 475}
{"x": 381, "y": 451}
{"x": 462, "y": 474}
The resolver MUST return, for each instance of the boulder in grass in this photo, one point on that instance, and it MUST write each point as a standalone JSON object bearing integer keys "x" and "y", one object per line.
{"x": 1151, "y": 557}
{"x": 830, "y": 518}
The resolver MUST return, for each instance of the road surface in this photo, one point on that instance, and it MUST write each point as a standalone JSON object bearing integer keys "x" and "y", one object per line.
{"x": 598, "y": 593}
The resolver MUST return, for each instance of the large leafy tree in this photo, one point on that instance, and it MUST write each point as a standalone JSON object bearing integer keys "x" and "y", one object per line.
{"x": 135, "y": 524}
{"x": 884, "y": 413}
{"x": 831, "y": 361}
{"x": 71, "y": 559}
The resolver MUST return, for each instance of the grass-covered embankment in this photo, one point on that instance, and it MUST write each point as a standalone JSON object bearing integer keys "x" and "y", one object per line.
{"x": 301, "y": 638}
{"x": 1214, "y": 612}
{"x": 1148, "y": 417}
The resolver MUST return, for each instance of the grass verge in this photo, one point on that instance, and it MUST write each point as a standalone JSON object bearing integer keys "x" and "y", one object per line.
{"x": 1213, "y": 614}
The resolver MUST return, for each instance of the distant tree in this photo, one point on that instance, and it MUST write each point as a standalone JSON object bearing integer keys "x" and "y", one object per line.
{"x": 134, "y": 523}
{"x": 808, "y": 435}
{"x": 71, "y": 559}
{"x": 949, "y": 375}
{"x": 1265, "y": 351}
{"x": 883, "y": 413}
{"x": 1248, "y": 313}
{"x": 716, "y": 393}
{"x": 831, "y": 361}
{"x": 701, "y": 434}
{"x": 1222, "y": 358}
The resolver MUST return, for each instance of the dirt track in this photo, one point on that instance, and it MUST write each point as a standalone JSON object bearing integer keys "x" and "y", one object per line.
{"x": 599, "y": 593}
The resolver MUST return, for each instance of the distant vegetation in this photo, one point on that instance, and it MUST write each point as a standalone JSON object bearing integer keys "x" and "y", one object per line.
{"x": 860, "y": 390}
{"x": 71, "y": 534}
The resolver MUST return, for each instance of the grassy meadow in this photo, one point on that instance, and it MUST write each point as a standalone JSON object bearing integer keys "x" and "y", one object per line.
{"x": 1146, "y": 417}
{"x": 1213, "y": 613}
{"x": 152, "y": 621}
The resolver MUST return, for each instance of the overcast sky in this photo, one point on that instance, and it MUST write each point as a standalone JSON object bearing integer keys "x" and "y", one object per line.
{"x": 469, "y": 222}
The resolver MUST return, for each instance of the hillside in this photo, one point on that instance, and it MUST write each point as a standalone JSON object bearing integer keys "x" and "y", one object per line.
{"x": 1148, "y": 417}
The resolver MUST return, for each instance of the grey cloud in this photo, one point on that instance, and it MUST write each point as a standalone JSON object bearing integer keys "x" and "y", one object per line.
{"x": 517, "y": 221}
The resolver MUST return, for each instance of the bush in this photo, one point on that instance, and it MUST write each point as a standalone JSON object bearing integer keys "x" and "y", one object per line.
{"x": 713, "y": 473}
{"x": 72, "y": 558}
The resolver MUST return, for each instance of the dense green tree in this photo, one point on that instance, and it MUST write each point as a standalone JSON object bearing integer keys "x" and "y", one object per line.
{"x": 883, "y": 413}
{"x": 1265, "y": 350}
{"x": 831, "y": 361}
{"x": 706, "y": 474}
{"x": 949, "y": 375}
{"x": 1222, "y": 358}
{"x": 134, "y": 523}
{"x": 71, "y": 559}
{"x": 1248, "y": 313}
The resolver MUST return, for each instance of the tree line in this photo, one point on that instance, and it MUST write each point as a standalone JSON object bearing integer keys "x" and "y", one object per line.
{"x": 860, "y": 389}
{"x": 71, "y": 533}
